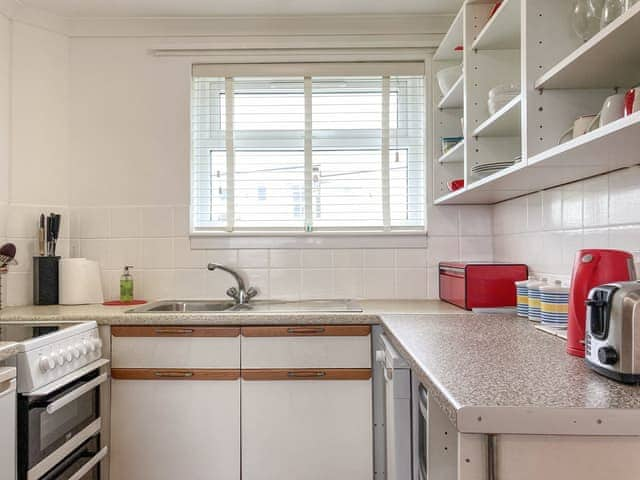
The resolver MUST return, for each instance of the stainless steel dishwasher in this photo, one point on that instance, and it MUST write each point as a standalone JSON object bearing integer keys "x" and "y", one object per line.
{"x": 397, "y": 411}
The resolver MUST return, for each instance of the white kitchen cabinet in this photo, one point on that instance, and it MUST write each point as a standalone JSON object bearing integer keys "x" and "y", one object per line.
{"x": 307, "y": 403}
{"x": 175, "y": 403}
{"x": 173, "y": 429}
{"x": 306, "y": 430}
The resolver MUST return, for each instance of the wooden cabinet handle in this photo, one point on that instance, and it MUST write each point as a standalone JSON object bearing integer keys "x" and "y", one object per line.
{"x": 173, "y": 331}
{"x": 305, "y": 330}
{"x": 307, "y": 374}
{"x": 173, "y": 374}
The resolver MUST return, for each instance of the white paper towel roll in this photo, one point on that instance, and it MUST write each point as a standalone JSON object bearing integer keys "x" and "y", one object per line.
{"x": 80, "y": 282}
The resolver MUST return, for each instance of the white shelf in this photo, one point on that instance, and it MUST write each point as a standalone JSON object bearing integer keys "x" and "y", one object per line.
{"x": 454, "y": 97}
{"x": 452, "y": 39}
{"x": 504, "y": 123}
{"x": 454, "y": 155}
{"x": 609, "y": 59}
{"x": 502, "y": 31}
{"x": 606, "y": 149}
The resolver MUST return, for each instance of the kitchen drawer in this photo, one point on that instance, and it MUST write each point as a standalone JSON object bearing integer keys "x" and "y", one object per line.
{"x": 318, "y": 346}
{"x": 175, "y": 347}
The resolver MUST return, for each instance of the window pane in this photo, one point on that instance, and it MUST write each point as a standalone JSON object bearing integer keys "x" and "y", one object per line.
{"x": 208, "y": 156}
{"x": 406, "y": 156}
{"x": 269, "y": 188}
{"x": 268, "y": 134}
{"x": 347, "y": 174}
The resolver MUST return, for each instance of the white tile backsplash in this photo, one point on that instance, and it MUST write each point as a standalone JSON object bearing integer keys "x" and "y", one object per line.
{"x": 157, "y": 221}
{"x": 155, "y": 240}
{"x": 379, "y": 257}
{"x": 126, "y": 222}
{"x": 317, "y": 283}
{"x": 411, "y": 283}
{"x": 601, "y": 212}
{"x": 285, "y": 258}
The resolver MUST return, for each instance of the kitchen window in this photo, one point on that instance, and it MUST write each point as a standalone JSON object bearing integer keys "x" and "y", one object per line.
{"x": 308, "y": 148}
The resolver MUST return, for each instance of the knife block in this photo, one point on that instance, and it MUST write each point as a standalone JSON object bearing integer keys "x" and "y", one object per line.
{"x": 45, "y": 280}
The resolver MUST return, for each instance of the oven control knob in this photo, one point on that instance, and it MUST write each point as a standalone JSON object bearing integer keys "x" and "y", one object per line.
{"x": 90, "y": 345}
{"x": 98, "y": 343}
{"x": 67, "y": 355}
{"x": 82, "y": 348}
{"x": 58, "y": 357}
{"x": 75, "y": 351}
{"x": 47, "y": 363}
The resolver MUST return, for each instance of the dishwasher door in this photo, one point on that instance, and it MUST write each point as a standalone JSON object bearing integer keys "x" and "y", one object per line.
{"x": 397, "y": 377}
{"x": 7, "y": 423}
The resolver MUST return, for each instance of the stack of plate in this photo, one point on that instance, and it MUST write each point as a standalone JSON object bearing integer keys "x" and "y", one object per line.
{"x": 485, "y": 169}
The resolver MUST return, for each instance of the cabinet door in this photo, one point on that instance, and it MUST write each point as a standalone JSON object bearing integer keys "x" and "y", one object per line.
{"x": 172, "y": 429}
{"x": 306, "y": 429}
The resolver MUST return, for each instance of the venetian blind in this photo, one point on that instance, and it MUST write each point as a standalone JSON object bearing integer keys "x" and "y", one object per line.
{"x": 308, "y": 147}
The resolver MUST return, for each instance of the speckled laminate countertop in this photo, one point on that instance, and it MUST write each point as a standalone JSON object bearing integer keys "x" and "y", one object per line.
{"x": 498, "y": 374}
{"x": 8, "y": 349}
{"x": 118, "y": 316}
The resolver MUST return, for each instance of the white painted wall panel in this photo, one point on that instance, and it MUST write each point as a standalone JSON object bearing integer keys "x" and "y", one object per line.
{"x": 40, "y": 116}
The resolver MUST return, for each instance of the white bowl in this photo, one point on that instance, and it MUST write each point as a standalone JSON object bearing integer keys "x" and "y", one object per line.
{"x": 447, "y": 77}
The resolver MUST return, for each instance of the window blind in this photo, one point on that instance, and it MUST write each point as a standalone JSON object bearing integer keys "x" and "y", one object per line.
{"x": 301, "y": 147}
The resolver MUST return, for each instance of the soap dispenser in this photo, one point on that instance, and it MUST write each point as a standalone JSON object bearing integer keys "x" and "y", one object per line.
{"x": 126, "y": 285}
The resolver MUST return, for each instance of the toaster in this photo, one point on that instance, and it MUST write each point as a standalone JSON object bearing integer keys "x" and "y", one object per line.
{"x": 612, "y": 333}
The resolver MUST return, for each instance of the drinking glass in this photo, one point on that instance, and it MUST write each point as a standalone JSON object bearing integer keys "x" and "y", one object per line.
{"x": 611, "y": 10}
{"x": 583, "y": 19}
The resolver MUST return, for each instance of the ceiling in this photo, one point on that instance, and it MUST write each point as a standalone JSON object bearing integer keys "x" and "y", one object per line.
{"x": 195, "y": 8}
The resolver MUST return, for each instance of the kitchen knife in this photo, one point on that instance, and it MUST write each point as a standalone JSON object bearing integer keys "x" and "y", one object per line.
{"x": 41, "y": 235}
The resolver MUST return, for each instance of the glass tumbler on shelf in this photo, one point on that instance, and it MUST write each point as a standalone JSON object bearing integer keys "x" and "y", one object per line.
{"x": 612, "y": 9}
{"x": 596, "y": 7}
{"x": 584, "y": 20}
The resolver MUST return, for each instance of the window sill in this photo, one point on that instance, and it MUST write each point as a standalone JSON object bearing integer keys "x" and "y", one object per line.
{"x": 319, "y": 240}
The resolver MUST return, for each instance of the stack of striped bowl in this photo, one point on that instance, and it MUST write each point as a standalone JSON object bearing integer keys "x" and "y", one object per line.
{"x": 534, "y": 299}
{"x": 522, "y": 297}
{"x": 554, "y": 304}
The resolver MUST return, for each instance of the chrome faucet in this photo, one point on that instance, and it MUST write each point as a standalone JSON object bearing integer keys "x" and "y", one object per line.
{"x": 241, "y": 295}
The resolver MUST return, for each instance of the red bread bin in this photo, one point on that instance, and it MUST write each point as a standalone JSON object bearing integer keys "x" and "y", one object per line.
{"x": 479, "y": 284}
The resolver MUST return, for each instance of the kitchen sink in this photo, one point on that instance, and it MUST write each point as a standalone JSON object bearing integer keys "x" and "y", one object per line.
{"x": 272, "y": 306}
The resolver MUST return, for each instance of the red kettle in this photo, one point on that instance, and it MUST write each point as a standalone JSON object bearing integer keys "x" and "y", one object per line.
{"x": 592, "y": 267}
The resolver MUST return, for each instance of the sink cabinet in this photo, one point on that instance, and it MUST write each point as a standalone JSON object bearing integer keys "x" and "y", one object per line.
{"x": 175, "y": 403}
{"x": 306, "y": 403}
{"x": 298, "y": 406}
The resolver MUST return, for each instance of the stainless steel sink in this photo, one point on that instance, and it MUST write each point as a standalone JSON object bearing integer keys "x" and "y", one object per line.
{"x": 272, "y": 306}
{"x": 184, "y": 306}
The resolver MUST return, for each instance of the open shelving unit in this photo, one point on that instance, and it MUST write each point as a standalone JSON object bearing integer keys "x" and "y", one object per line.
{"x": 504, "y": 123}
{"x": 502, "y": 31}
{"x": 446, "y": 51}
{"x": 609, "y": 59}
{"x": 454, "y": 97}
{"x": 454, "y": 154}
{"x": 562, "y": 78}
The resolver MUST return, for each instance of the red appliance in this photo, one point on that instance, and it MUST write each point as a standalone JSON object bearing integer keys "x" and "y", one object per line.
{"x": 480, "y": 284}
{"x": 591, "y": 268}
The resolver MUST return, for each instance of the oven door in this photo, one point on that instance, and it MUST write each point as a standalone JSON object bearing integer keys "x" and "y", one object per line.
{"x": 52, "y": 426}
{"x": 82, "y": 464}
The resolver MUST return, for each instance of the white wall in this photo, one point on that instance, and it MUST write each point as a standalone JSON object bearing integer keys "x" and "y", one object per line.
{"x": 130, "y": 195}
{"x": 546, "y": 229}
{"x": 34, "y": 143}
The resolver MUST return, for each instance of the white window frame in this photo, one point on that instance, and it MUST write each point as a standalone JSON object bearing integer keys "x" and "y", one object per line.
{"x": 364, "y": 237}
